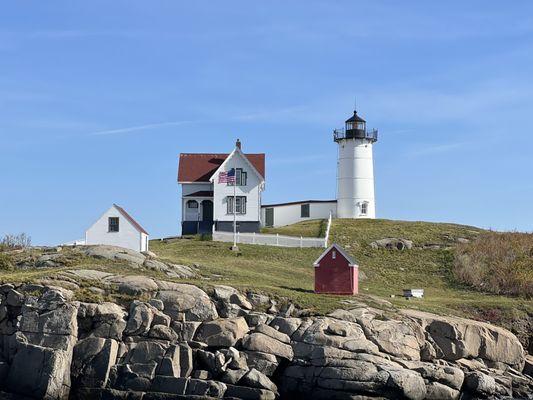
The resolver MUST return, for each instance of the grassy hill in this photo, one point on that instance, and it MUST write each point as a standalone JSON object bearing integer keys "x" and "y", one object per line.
{"x": 288, "y": 272}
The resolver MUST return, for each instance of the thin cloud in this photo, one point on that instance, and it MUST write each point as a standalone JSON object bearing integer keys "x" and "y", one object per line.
{"x": 74, "y": 34}
{"x": 259, "y": 116}
{"x": 437, "y": 149}
{"x": 140, "y": 128}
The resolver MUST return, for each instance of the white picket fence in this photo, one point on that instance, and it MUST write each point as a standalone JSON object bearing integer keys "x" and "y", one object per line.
{"x": 267, "y": 239}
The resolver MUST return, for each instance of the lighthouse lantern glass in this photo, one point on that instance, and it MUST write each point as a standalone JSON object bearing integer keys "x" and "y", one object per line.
{"x": 361, "y": 126}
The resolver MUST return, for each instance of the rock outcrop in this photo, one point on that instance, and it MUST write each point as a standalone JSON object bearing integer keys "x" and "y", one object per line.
{"x": 182, "y": 343}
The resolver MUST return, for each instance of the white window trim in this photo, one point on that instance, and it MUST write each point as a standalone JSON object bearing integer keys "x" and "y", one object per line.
{"x": 109, "y": 225}
{"x": 241, "y": 208}
{"x": 363, "y": 208}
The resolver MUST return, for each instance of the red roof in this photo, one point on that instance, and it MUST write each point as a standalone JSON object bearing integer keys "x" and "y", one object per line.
{"x": 199, "y": 167}
{"x": 130, "y": 218}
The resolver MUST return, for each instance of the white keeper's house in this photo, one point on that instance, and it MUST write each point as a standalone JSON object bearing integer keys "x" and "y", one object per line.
{"x": 206, "y": 201}
{"x": 208, "y": 198}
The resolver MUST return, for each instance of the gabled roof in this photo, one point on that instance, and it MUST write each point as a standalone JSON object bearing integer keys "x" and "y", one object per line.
{"x": 238, "y": 151}
{"x": 130, "y": 219}
{"x": 200, "y": 167}
{"x": 351, "y": 261}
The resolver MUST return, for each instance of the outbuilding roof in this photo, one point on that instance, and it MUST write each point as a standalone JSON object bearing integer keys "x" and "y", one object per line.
{"x": 351, "y": 261}
{"x": 199, "y": 167}
{"x": 290, "y": 203}
{"x": 130, "y": 219}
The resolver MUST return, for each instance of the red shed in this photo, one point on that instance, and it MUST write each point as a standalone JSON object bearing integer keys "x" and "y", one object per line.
{"x": 336, "y": 272}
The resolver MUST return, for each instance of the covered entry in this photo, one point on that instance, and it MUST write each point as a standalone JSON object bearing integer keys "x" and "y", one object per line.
{"x": 198, "y": 216}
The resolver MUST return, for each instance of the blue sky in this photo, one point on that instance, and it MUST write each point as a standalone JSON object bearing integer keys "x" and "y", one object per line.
{"x": 98, "y": 98}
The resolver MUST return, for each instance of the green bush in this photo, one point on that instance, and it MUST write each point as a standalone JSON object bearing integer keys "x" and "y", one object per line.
{"x": 6, "y": 264}
{"x": 204, "y": 237}
{"x": 500, "y": 263}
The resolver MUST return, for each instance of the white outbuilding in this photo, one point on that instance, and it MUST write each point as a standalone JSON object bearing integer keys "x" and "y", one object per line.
{"x": 117, "y": 228}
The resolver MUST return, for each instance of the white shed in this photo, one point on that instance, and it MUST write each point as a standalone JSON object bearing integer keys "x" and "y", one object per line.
{"x": 117, "y": 228}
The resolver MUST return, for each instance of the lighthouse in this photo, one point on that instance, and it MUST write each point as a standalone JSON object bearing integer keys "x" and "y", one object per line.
{"x": 355, "y": 169}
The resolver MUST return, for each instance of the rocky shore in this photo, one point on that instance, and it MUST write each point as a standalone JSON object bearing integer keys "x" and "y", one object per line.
{"x": 183, "y": 343}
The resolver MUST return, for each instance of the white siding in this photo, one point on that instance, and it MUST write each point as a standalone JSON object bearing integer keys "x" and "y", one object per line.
{"x": 291, "y": 213}
{"x": 355, "y": 179}
{"x": 190, "y": 214}
{"x": 251, "y": 191}
{"x": 128, "y": 236}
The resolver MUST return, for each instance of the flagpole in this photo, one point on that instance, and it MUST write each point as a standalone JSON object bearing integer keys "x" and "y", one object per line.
{"x": 235, "y": 212}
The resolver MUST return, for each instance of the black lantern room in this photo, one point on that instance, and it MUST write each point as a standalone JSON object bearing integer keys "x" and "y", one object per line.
{"x": 355, "y": 126}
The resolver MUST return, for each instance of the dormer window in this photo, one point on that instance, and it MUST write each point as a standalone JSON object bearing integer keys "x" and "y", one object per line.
{"x": 113, "y": 224}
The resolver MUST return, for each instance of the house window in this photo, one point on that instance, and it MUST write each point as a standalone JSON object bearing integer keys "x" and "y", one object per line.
{"x": 304, "y": 211}
{"x": 334, "y": 254}
{"x": 241, "y": 177}
{"x": 192, "y": 204}
{"x": 240, "y": 202}
{"x": 364, "y": 208}
{"x": 113, "y": 224}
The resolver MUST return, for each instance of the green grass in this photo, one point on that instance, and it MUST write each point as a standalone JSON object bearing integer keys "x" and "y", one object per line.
{"x": 363, "y": 231}
{"x": 285, "y": 272}
{"x": 289, "y": 272}
{"x": 311, "y": 228}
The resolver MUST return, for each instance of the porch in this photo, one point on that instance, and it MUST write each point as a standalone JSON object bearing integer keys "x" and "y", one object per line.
{"x": 197, "y": 212}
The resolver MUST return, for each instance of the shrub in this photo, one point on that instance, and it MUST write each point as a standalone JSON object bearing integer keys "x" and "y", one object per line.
{"x": 20, "y": 241}
{"x": 500, "y": 263}
{"x": 204, "y": 237}
{"x": 6, "y": 264}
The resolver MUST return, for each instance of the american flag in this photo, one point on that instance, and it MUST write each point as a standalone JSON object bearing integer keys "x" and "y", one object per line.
{"x": 227, "y": 177}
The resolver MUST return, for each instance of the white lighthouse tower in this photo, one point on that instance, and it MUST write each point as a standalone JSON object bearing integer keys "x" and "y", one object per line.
{"x": 355, "y": 169}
